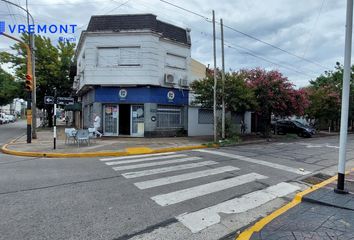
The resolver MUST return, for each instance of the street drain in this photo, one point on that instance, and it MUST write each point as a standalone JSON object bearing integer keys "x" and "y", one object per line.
{"x": 316, "y": 179}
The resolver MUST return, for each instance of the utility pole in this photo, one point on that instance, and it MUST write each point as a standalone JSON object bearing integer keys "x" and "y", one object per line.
{"x": 215, "y": 81}
{"x": 223, "y": 81}
{"x": 55, "y": 120}
{"x": 345, "y": 99}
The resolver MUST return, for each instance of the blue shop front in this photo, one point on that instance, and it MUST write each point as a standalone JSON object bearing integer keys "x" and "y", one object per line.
{"x": 138, "y": 111}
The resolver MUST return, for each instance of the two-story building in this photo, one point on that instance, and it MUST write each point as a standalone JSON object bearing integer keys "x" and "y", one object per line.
{"x": 134, "y": 71}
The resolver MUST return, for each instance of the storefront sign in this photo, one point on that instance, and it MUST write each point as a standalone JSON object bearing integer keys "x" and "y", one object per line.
{"x": 170, "y": 96}
{"x": 123, "y": 94}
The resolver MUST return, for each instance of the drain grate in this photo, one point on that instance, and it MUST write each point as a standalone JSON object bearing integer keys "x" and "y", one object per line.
{"x": 317, "y": 178}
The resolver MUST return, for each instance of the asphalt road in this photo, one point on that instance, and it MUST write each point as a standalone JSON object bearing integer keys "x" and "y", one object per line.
{"x": 185, "y": 195}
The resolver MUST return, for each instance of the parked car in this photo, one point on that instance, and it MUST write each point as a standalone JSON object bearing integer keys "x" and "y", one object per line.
{"x": 11, "y": 118}
{"x": 3, "y": 118}
{"x": 8, "y": 118}
{"x": 291, "y": 126}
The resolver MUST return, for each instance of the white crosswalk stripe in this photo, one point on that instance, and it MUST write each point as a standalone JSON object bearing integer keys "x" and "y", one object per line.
{"x": 167, "y": 169}
{"x": 142, "y": 165}
{"x": 256, "y": 161}
{"x": 151, "y": 164}
{"x": 197, "y": 191}
{"x": 183, "y": 177}
{"x": 199, "y": 220}
{"x": 145, "y": 159}
{"x": 136, "y": 156}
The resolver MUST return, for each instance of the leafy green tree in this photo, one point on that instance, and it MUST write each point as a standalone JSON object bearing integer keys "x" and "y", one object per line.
{"x": 238, "y": 97}
{"x": 325, "y": 98}
{"x": 9, "y": 88}
{"x": 52, "y": 68}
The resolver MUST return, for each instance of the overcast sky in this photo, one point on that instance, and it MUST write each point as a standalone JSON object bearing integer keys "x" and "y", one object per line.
{"x": 310, "y": 29}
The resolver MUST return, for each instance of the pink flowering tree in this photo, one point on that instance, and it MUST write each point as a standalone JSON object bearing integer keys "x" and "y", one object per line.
{"x": 275, "y": 94}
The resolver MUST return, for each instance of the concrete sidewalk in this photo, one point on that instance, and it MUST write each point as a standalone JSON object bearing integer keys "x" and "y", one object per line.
{"x": 105, "y": 146}
{"x": 321, "y": 214}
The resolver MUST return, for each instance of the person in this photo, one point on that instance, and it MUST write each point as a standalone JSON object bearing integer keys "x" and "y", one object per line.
{"x": 243, "y": 127}
{"x": 66, "y": 120}
{"x": 97, "y": 124}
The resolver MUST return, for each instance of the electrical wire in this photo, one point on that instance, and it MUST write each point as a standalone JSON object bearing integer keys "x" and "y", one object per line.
{"x": 313, "y": 27}
{"x": 247, "y": 35}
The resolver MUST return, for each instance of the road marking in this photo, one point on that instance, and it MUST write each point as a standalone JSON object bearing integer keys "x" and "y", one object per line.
{"x": 143, "y": 165}
{"x": 184, "y": 177}
{"x": 167, "y": 169}
{"x": 136, "y": 156}
{"x": 199, "y": 220}
{"x": 145, "y": 159}
{"x": 256, "y": 161}
{"x": 201, "y": 190}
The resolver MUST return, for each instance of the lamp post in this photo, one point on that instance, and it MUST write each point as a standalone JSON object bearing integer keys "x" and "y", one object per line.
{"x": 33, "y": 61}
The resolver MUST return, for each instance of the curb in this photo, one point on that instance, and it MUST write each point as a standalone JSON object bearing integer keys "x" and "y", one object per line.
{"x": 258, "y": 226}
{"x": 128, "y": 151}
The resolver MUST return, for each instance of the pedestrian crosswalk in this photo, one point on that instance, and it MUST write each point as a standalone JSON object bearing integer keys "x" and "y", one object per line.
{"x": 198, "y": 171}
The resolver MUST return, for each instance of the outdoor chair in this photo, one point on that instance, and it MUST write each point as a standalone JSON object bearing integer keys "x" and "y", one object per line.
{"x": 82, "y": 135}
{"x": 92, "y": 133}
{"x": 70, "y": 135}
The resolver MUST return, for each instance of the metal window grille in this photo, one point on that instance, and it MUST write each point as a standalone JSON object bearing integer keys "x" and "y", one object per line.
{"x": 205, "y": 116}
{"x": 169, "y": 117}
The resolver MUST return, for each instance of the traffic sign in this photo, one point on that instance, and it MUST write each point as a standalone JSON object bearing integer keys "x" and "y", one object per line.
{"x": 48, "y": 100}
{"x": 65, "y": 101}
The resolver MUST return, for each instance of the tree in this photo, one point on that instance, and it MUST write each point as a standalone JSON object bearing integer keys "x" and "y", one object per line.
{"x": 238, "y": 97}
{"x": 325, "y": 96}
{"x": 324, "y": 104}
{"x": 275, "y": 94}
{"x": 9, "y": 88}
{"x": 52, "y": 68}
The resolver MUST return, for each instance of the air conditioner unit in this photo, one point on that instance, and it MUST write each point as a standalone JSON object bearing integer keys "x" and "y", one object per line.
{"x": 169, "y": 78}
{"x": 183, "y": 82}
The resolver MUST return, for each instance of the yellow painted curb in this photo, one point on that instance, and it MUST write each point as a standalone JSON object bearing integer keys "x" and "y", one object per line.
{"x": 139, "y": 150}
{"x": 258, "y": 226}
{"x": 128, "y": 151}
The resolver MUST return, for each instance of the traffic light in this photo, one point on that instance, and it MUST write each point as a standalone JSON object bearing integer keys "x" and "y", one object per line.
{"x": 29, "y": 83}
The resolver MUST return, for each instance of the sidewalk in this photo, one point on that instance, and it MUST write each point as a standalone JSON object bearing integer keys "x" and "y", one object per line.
{"x": 105, "y": 146}
{"x": 321, "y": 214}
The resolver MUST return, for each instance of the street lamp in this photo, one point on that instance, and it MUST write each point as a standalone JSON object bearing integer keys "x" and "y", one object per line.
{"x": 32, "y": 47}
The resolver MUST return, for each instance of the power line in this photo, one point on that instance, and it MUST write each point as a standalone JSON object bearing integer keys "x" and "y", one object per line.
{"x": 120, "y": 5}
{"x": 313, "y": 27}
{"x": 267, "y": 60}
{"x": 252, "y": 53}
{"x": 247, "y": 35}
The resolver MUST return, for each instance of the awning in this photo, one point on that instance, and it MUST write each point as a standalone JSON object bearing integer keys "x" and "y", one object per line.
{"x": 75, "y": 107}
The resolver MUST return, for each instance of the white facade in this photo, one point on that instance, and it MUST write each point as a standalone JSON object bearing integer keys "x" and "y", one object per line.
{"x": 131, "y": 58}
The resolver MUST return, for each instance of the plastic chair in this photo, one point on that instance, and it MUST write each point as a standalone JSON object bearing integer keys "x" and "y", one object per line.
{"x": 70, "y": 134}
{"x": 82, "y": 135}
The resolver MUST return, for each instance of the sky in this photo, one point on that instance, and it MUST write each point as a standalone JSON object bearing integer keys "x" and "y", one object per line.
{"x": 307, "y": 37}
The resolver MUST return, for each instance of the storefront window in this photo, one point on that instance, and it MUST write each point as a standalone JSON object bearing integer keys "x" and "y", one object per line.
{"x": 169, "y": 117}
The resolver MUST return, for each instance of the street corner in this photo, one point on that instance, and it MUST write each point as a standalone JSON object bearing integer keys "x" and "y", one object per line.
{"x": 44, "y": 149}
{"x": 315, "y": 212}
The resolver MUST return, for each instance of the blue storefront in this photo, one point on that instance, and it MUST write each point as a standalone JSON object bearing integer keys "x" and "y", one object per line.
{"x": 138, "y": 111}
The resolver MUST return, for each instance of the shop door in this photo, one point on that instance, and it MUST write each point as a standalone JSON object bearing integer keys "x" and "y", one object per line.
{"x": 137, "y": 120}
{"x": 110, "y": 127}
